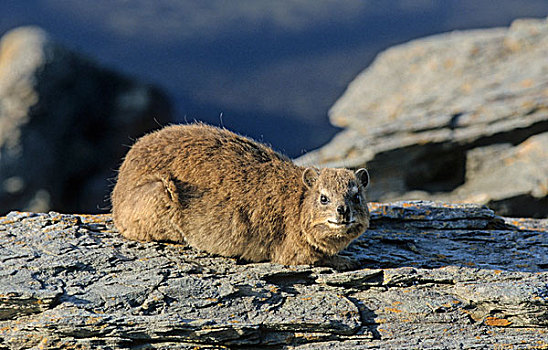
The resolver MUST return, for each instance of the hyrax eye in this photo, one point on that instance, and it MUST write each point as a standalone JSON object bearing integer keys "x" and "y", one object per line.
{"x": 357, "y": 198}
{"x": 324, "y": 199}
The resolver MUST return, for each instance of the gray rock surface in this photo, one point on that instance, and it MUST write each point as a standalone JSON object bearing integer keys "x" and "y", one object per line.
{"x": 64, "y": 124}
{"x": 426, "y": 113}
{"x": 432, "y": 275}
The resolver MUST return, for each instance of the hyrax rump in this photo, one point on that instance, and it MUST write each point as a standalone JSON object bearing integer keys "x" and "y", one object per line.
{"x": 229, "y": 195}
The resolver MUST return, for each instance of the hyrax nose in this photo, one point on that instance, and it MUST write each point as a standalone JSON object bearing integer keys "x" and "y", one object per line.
{"x": 341, "y": 209}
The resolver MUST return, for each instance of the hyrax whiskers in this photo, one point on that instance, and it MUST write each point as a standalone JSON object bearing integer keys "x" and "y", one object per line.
{"x": 229, "y": 195}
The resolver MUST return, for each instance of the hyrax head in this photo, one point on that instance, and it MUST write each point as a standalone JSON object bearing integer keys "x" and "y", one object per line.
{"x": 335, "y": 207}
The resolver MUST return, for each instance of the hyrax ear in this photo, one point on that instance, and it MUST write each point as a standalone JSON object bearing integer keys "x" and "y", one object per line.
{"x": 363, "y": 176}
{"x": 310, "y": 175}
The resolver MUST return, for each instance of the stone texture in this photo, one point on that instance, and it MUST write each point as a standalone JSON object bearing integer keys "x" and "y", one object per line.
{"x": 70, "y": 281}
{"x": 426, "y": 113}
{"x": 508, "y": 179}
{"x": 64, "y": 124}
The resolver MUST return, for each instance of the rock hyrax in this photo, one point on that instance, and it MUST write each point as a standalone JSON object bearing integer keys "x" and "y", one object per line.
{"x": 229, "y": 195}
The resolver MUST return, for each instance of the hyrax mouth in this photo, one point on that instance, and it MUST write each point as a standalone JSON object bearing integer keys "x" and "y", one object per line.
{"x": 341, "y": 223}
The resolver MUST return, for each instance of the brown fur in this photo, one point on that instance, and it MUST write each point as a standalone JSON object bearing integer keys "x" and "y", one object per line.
{"x": 228, "y": 195}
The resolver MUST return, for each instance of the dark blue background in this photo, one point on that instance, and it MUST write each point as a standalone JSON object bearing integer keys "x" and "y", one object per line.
{"x": 271, "y": 68}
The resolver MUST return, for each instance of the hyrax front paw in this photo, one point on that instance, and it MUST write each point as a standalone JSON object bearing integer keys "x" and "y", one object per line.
{"x": 339, "y": 263}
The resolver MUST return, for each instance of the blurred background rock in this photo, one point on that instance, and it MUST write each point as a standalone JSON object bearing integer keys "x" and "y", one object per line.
{"x": 270, "y": 70}
{"x": 456, "y": 117}
{"x": 64, "y": 122}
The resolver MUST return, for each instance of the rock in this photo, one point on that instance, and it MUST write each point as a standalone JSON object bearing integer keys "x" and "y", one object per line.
{"x": 425, "y": 113}
{"x": 64, "y": 122}
{"x": 73, "y": 281}
{"x": 521, "y": 173}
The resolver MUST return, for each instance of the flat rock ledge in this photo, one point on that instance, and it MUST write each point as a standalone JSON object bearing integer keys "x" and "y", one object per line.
{"x": 431, "y": 275}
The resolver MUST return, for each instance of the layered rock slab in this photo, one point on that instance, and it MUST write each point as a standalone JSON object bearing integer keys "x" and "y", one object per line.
{"x": 432, "y": 274}
{"x": 425, "y": 112}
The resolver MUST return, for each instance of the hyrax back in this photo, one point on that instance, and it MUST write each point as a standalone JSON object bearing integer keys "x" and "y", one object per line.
{"x": 228, "y": 195}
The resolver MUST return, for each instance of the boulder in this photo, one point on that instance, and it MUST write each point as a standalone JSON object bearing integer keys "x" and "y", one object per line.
{"x": 427, "y": 112}
{"x": 431, "y": 275}
{"x": 64, "y": 124}
{"x": 509, "y": 179}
